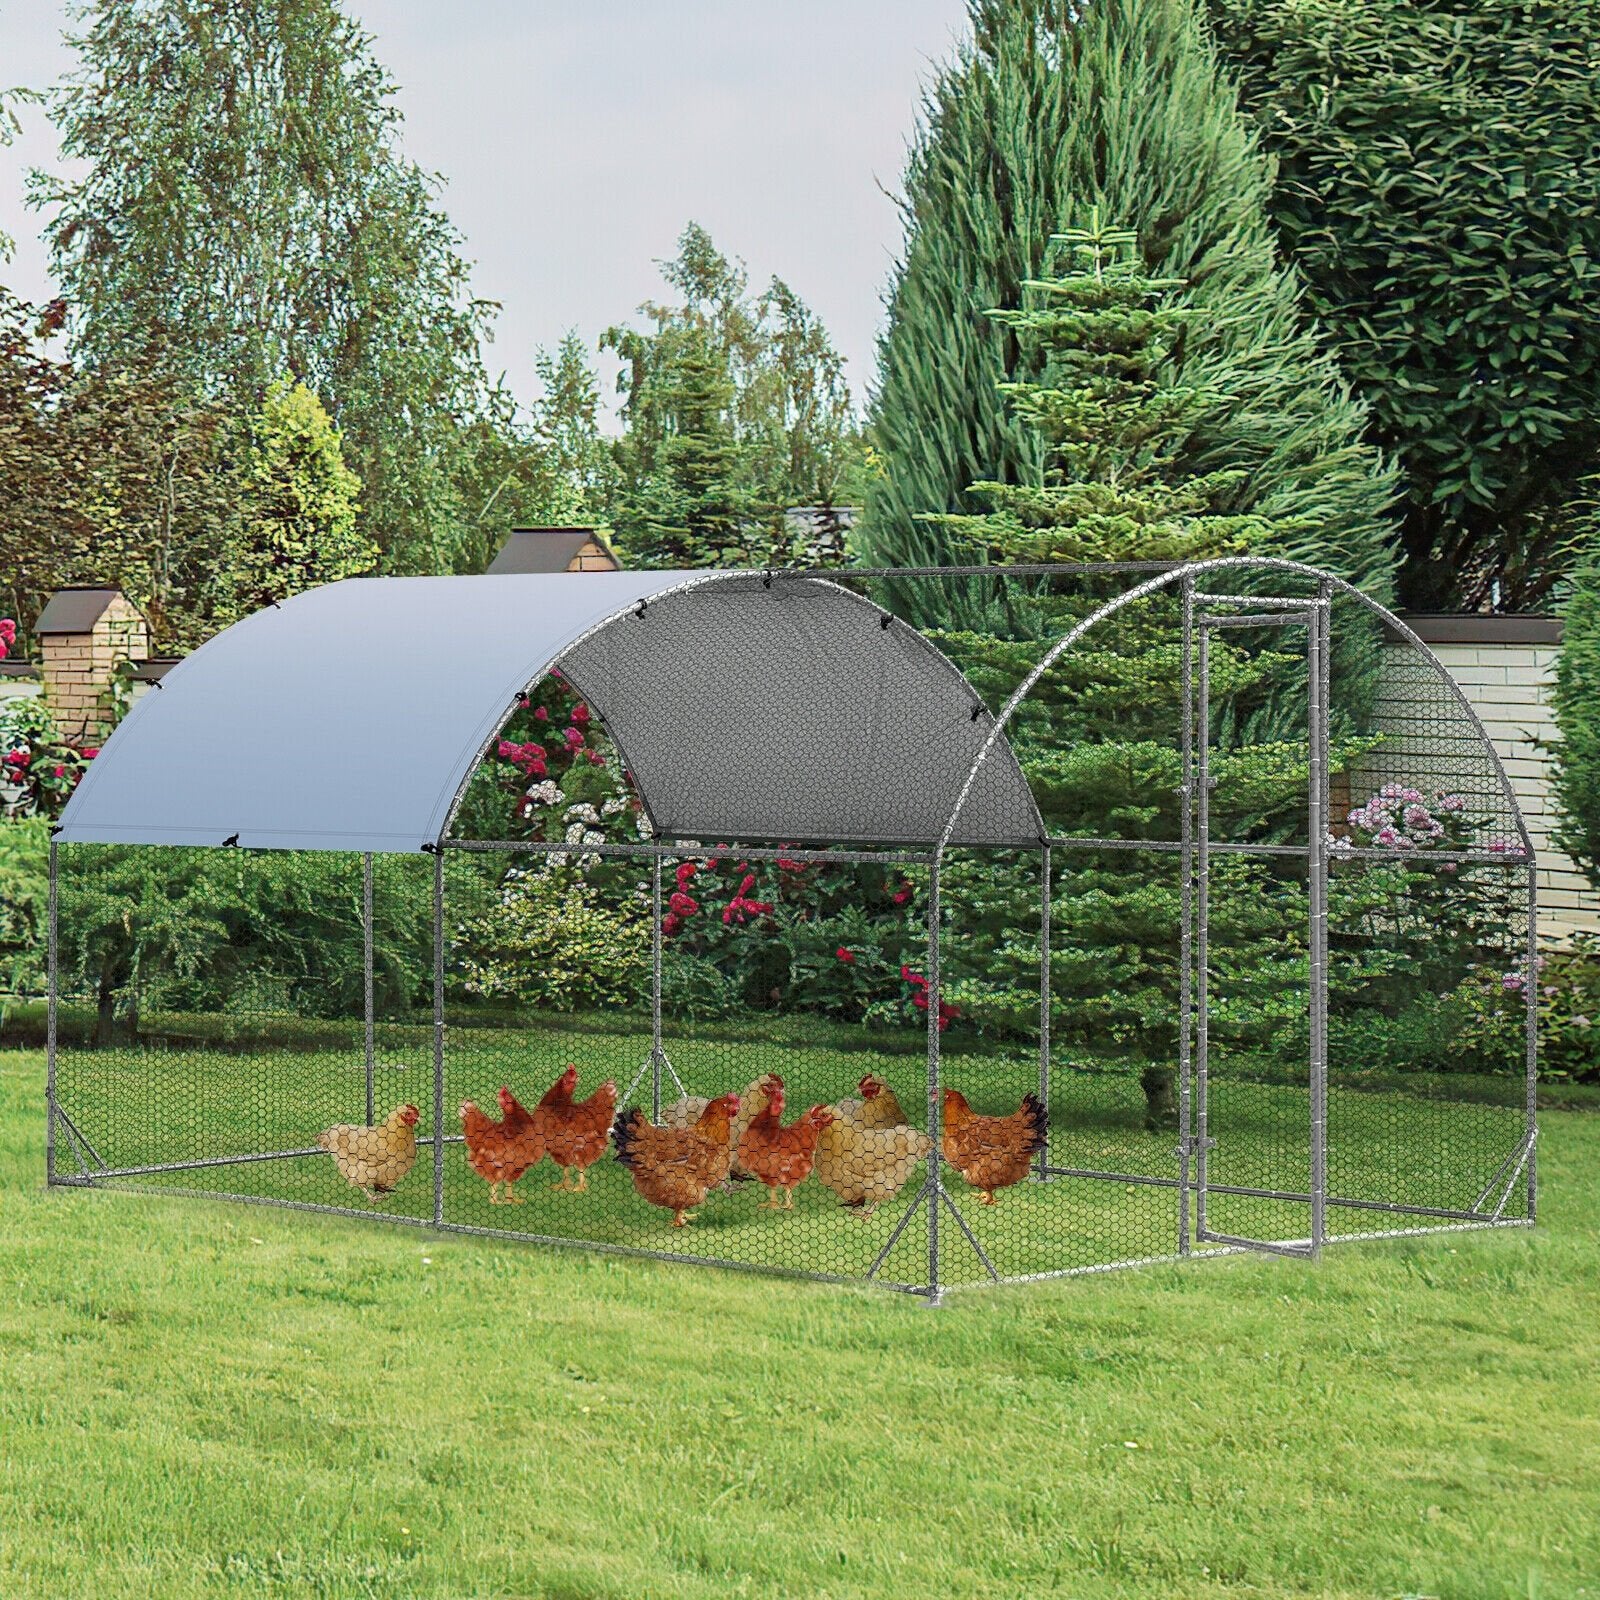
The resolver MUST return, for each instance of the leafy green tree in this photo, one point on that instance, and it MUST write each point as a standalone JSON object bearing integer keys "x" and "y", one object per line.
{"x": 124, "y": 474}
{"x": 1055, "y": 110}
{"x": 245, "y": 211}
{"x": 736, "y": 408}
{"x": 1438, "y": 188}
{"x": 1576, "y": 755}
{"x": 299, "y": 528}
{"x": 10, "y": 127}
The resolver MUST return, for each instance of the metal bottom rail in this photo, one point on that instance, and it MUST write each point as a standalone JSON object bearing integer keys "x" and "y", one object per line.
{"x": 919, "y": 1291}
{"x": 200, "y": 1162}
{"x": 1302, "y": 1197}
{"x": 474, "y": 1230}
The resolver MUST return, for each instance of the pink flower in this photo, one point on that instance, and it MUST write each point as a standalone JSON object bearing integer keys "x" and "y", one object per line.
{"x": 847, "y": 956}
{"x": 540, "y": 714}
{"x": 57, "y": 771}
{"x": 901, "y": 895}
{"x": 580, "y": 713}
{"x": 596, "y": 759}
{"x": 90, "y": 752}
{"x": 8, "y": 631}
{"x": 574, "y": 739}
{"x": 506, "y": 750}
{"x": 747, "y": 884}
{"x": 5, "y": 649}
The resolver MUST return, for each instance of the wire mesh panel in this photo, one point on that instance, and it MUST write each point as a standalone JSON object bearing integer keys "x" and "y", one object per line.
{"x": 1249, "y": 957}
{"x": 784, "y": 981}
{"x": 211, "y": 1025}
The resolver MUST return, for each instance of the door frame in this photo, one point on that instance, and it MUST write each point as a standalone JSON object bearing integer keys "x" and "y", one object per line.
{"x": 1204, "y": 612}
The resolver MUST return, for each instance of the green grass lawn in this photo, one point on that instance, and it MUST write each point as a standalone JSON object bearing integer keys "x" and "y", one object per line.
{"x": 208, "y": 1399}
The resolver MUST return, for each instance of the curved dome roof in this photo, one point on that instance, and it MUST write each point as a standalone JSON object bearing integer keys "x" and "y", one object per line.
{"x": 747, "y": 708}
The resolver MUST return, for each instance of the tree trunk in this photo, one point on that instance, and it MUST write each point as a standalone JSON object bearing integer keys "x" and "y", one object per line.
{"x": 1160, "y": 1098}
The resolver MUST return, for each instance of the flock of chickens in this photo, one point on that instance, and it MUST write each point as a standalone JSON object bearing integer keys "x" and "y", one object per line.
{"x": 863, "y": 1150}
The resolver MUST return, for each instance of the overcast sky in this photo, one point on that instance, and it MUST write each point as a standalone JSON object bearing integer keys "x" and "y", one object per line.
{"x": 577, "y": 137}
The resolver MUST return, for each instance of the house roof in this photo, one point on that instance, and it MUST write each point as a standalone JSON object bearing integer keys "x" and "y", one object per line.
{"x": 746, "y": 707}
{"x": 74, "y": 610}
{"x": 544, "y": 549}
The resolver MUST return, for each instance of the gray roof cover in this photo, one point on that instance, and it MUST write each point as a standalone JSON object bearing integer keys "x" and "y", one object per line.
{"x": 349, "y": 717}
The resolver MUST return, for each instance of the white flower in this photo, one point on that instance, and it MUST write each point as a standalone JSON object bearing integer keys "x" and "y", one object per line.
{"x": 582, "y": 812}
{"x": 614, "y": 806}
{"x": 546, "y": 793}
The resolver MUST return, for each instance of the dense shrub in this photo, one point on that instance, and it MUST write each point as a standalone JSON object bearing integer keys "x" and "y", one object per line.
{"x": 1575, "y": 758}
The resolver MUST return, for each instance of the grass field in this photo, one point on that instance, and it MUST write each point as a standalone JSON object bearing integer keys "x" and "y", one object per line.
{"x": 205, "y": 1399}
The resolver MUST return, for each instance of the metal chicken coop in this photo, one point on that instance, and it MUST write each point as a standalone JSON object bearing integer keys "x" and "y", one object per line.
{"x": 1214, "y": 862}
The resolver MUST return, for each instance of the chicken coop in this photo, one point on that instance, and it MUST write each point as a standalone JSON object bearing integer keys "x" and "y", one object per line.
{"x": 920, "y": 928}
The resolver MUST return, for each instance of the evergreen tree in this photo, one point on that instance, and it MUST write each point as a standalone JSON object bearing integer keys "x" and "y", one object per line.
{"x": 1112, "y": 416}
{"x": 1053, "y": 111}
{"x": 299, "y": 525}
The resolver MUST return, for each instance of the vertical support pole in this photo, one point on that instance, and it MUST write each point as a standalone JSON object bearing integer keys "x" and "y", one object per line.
{"x": 1045, "y": 887}
{"x": 438, "y": 1033}
{"x": 655, "y": 991}
{"x": 1186, "y": 917}
{"x": 1531, "y": 990}
{"x": 52, "y": 960}
{"x": 366, "y": 969}
{"x": 1202, "y": 911}
{"x": 1317, "y": 898}
{"x": 935, "y": 1094}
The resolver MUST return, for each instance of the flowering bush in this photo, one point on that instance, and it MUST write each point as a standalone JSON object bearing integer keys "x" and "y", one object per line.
{"x": 1493, "y": 1009}
{"x": 39, "y": 769}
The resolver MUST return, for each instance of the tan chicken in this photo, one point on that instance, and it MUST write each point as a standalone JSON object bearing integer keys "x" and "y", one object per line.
{"x": 868, "y": 1153}
{"x": 374, "y": 1160}
{"x": 782, "y": 1157}
{"x": 575, "y": 1132}
{"x": 676, "y": 1168}
{"x": 992, "y": 1152}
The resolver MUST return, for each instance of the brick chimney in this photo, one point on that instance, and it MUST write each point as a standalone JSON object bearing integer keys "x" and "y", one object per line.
{"x": 83, "y": 634}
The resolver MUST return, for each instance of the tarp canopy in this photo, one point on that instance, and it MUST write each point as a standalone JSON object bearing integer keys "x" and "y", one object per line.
{"x": 351, "y": 716}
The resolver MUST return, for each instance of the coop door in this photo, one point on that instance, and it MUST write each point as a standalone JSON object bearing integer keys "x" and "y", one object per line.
{"x": 1252, "y": 1148}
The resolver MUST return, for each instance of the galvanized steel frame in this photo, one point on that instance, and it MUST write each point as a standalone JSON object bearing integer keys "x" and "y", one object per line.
{"x": 1201, "y": 610}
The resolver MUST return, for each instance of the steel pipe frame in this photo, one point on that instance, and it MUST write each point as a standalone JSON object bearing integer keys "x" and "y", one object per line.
{"x": 933, "y": 1190}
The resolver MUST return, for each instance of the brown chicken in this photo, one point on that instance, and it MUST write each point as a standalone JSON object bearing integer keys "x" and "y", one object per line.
{"x": 686, "y": 1112}
{"x": 992, "y": 1152}
{"x": 500, "y": 1152}
{"x": 676, "y": 1168}
{"x": 374, "y": 1159}
{"x": 575, "y": 1131}
{"x": 870, "y": 1150}
{"x": 782, "y": 1158}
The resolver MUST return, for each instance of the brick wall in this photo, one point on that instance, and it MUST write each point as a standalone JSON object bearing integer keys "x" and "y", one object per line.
{"x": 77, "y": 667}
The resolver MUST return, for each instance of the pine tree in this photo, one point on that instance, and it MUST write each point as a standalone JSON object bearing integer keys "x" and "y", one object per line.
{"x": 1054, "y": 111}
{"x": 1111, "y": 418}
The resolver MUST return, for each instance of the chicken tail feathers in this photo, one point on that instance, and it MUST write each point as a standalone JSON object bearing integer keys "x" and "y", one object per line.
{"x": 1037, "y": 1121}
{"x": 625, "y": 1135}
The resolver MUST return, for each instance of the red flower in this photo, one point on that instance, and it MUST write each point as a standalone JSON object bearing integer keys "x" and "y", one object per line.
{"x": 671, "y": 923}
{"x": 845, "y": 955}
{"x": 913, "y": 977}
{"x": 920, "y": 1000}
{"x": 747, "y": 885}
{"x": 686, "y": 870}
{"x": 901, "y": 895}
{"x": 20, "y": 758}
{"x": 580, "y": 712}
{"x": 57, "y": 771}
{"x": 541, "y": 715}
{"x": 506, "y": 750}
{"x": 90, "y": 752}
{"x": 683, "y": 904}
